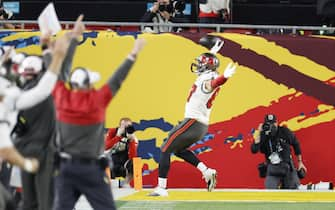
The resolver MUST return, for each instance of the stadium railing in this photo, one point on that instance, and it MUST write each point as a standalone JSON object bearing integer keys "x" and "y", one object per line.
{"x": 192, "y": 27}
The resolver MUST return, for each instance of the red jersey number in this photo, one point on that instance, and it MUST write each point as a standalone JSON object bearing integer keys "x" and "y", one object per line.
{"x": 194, "y": 87}
{"x": 211, "y": 99}
{"x": 209, "y": 103}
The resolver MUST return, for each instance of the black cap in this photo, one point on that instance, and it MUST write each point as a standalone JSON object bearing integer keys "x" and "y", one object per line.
{"x": 271, "y": 118}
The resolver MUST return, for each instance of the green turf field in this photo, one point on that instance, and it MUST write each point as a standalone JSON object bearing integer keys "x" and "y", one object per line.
{"x": 214, "y": 205}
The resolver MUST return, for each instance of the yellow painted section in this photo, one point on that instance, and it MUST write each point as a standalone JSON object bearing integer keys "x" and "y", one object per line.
{"x": 161, "y": 79}
{"x": 151, "y": 133}
{"x": 324, "y": 37}
{"x": 328, "y": 116}
{"x": 247, "y": 89}
{"x": 261, "y": 196}
{"x": 281, "y": 55}
{"x": 151, "y": 163}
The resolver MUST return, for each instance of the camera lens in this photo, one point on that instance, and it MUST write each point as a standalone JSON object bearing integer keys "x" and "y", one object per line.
{"x": 130, "y": 129}
{"x": 179, "y": 5}
{"x": 162, "y": 7}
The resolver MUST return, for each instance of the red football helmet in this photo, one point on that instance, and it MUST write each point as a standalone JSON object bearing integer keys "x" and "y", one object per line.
{"x": 204, "y": 63}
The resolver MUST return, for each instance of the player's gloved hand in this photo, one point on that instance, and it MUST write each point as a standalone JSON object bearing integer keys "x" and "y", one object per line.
{"x": 230, "y": 70}
{"x": 218, "y": 45}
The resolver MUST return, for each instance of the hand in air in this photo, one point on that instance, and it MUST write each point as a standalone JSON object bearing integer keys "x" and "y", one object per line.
{"x": 230, "y": 70}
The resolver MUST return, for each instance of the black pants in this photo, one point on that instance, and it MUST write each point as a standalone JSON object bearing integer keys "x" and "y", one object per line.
{"x": 76, "y": 178}
{"x": 289, "y": 181}
{"x": 121, "y": 164}
{"x": 5, "y": 173}
{"x": 6, "y": 200}
{"x": 179, "y": 139}
{"x": 38, "y": 189}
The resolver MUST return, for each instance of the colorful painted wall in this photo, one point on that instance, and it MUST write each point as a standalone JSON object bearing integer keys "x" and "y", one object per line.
{"x": 293, "y": 77}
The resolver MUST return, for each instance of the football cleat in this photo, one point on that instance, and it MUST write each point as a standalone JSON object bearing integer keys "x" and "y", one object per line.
{"x": 210, "y": 177}
{"x": 159, "y": 192}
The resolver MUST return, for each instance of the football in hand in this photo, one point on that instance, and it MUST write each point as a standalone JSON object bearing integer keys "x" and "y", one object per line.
{"x": 208, "y": 41}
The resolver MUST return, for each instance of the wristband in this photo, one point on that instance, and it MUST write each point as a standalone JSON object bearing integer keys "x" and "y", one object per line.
{"x": 132, "y": 56}
{"x": 44, "y": 46}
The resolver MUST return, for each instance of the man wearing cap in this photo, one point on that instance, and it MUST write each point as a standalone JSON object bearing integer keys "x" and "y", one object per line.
{"x": 35, "y": 132}
{"x": 80, "y": 113}
{"x": 274, "y": 142}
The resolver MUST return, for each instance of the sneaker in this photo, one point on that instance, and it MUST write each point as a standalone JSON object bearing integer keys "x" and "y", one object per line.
{"x": 159, "y": 192}
{"x": 210, "y": 177}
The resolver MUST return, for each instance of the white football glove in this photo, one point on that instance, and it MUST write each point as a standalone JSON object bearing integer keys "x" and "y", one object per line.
{"x": 230, "y": 70}
{"x": 218, "y": 45}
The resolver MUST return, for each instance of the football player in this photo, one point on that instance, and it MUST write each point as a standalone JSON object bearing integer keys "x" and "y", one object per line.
{"x": 196, "y": 119}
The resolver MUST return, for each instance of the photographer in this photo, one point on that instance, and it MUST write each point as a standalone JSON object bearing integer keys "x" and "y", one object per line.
{"x": 5, "y": 15}
{"x": 122, "y": 144}
{"x": 164, "y": 11}
{"x": 274, "y": 142}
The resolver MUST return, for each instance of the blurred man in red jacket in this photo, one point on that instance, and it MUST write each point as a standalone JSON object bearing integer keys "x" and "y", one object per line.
{"x": 121, "y": 143}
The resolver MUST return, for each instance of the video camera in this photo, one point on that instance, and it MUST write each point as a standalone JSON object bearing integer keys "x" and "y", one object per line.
{"x": 130, "y": 129}
{"x": 6, "y": 14}
{"x": 179, "y": 5}
{"x": 268, "y": 126}
{"x": 175, "y": 6}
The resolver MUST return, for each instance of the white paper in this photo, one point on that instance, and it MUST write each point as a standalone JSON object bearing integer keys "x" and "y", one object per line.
{"x": 15, "y": 178}
{"x": 48, "y": 20}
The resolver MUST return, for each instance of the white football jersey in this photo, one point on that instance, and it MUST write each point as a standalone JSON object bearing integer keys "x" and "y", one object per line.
{"x": 199, "y": 101}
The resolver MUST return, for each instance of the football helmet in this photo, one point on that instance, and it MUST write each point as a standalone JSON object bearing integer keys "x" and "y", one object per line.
{"x": 206, "y": 62}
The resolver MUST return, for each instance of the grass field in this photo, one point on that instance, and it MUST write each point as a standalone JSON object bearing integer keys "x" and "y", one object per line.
{"x": 215, "y": 205}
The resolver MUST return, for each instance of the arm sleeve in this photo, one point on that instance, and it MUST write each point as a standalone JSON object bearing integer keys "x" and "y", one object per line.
{"x": 255, "y": 147}
{"x": 218, "y": 81}
{"x": 38, "y": 93}
{"x": 47, "y": 58}
{"x": 294, "y": 142}
{"x": 67, "y": 63}
{"x": 111, "y": 138}
{"x": 119, "y": 75}
{"x": 147, "y": 17}
{"x": 133, "y": 144}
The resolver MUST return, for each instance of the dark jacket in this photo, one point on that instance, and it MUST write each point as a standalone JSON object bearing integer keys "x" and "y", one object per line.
{"x": 280, "y": 142}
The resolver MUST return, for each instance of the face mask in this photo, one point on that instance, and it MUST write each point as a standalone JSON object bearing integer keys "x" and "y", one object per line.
{"x": 163, "y": 7}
